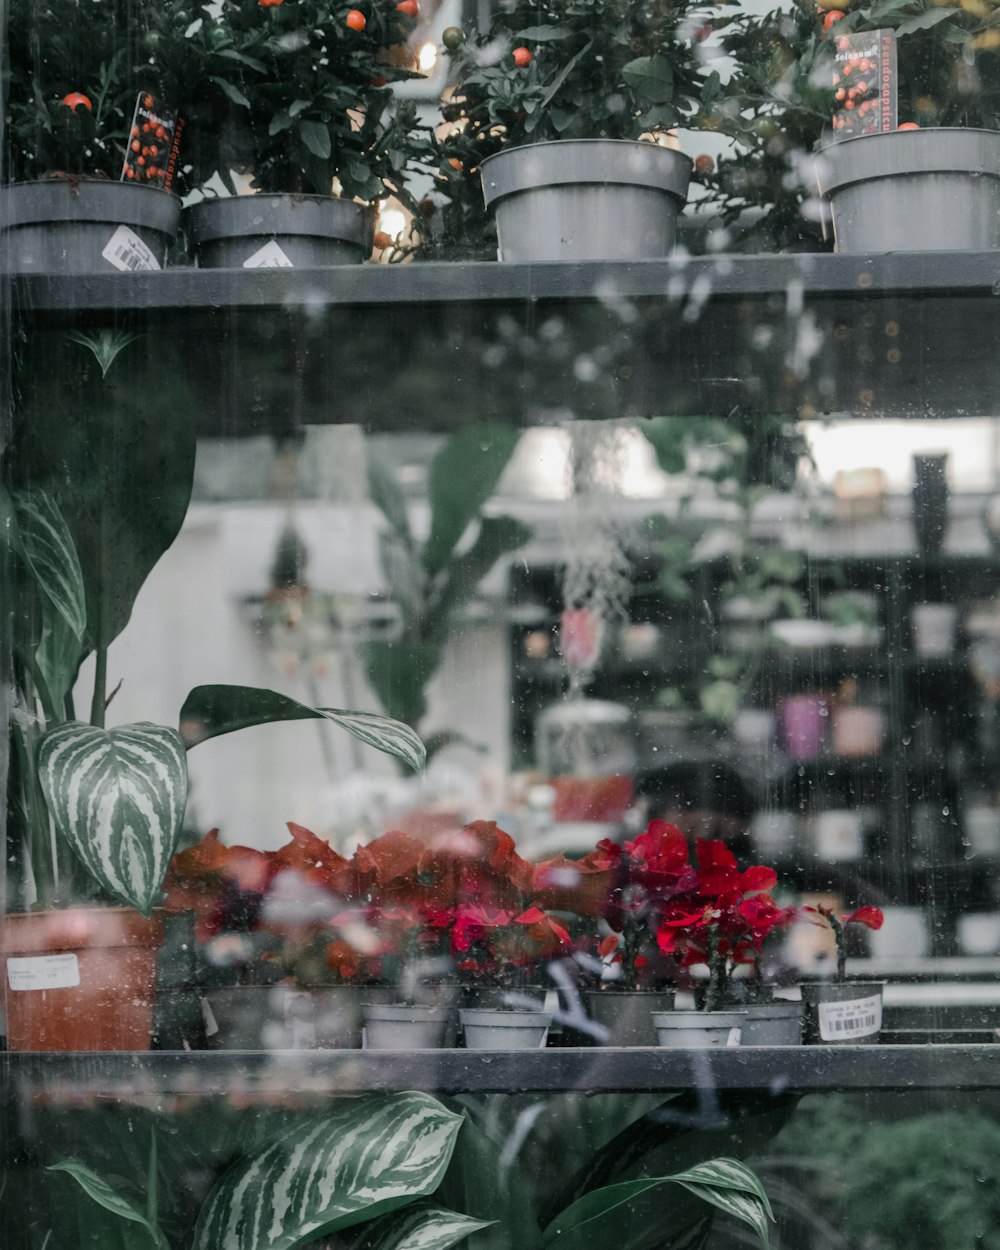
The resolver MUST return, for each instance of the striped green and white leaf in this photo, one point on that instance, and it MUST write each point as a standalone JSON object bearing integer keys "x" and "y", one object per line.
{"x": 46, "y": 549}
{"x": 419, "y": 1227}
{"x": 367, "y": 1156}
{"x": 209, "y": 711}
{"x": 98, "y": 1189}
{"x": 117, "y": 798}
{"x": 723, "y": 1183}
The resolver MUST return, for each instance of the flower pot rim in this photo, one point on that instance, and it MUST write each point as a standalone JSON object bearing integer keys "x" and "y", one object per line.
{"x": 280, "y": 213}
{"x": 692, "y": 1016}
{"x": 504, "y": 1018}
{"x": 400, "y": 1011}
{"x": 98, "y": 200}
{"x": 585, "y": 162}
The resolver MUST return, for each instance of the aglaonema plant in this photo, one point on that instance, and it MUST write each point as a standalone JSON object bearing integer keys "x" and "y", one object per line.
{"x": 82, "y": 534}
{"x": 378, "y": 1171}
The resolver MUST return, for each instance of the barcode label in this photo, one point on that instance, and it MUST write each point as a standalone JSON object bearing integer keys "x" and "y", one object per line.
{"x": 270, "y": 256}
{"x": 861, "y": 1017}
{"x": 126, "y": 251}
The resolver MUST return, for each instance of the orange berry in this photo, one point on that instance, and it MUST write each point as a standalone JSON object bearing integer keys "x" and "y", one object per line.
{"x": 382, "y": 240}
{"x": 409, "y": 7}
{"x": 908, "y": 126}
{"x": 522, "y": 58}
{"x": 356, "y": 20}
{"x": 147, "y": 101}
{"x": 135, "y": 145}
{"x": 703, "y": 164}
{"x": 379, "y": 81}
{"x": 454, "y": 162}
{"x": 833, "y": 16}
{"x": 75, "y": 99}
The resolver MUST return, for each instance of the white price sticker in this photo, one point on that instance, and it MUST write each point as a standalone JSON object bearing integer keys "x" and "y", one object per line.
{"x": 735, "y": 1037}
{"x": 860, "y": 1017}
{"x": 43, "y": 972}
{"x": 126, "y": 251}
{"x": 270, "y": 256}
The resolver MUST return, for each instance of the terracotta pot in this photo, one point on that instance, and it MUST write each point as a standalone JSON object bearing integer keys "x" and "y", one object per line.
{"x": 80, "y": 979}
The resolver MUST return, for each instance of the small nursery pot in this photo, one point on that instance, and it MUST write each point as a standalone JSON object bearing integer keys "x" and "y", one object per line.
{"x": 699, "y": 1030}
{"x": 627, "y": 1014}
{"x": 843, "y": 1013}
{"x": 407, "y": 1026}
{"x": 488, "y": 1028}
{"x": 772, "y": 1024}
{"x": 279, "y": 232}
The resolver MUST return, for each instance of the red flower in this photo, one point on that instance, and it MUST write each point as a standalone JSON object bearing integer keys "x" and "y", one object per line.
{"x": 719, "y": 874}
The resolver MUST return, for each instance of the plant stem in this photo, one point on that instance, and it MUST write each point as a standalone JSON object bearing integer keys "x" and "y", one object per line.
{"x": 716, "y": 970}
{"x": 97, "y": 703}
{"x": 838, "y": 933}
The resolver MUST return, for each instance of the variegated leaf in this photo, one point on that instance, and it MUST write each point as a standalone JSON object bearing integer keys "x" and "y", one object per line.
{"x": 367, "y": 1156}
{"x": 419, "y": 1228}
{"x": 727, "y": 1174}
{"x": 106, "y": 1196}
{"x": 735, "y": 1202}
{"x": 724, "y": 1183}
{"x": 209, "y": 711}
{"x": 117, "y": 797}
{"x": 48, "y": 550}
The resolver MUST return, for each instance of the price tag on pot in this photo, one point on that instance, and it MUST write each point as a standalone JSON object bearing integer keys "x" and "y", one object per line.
{"x": 270, "y": 256}
{"x": 43, "y": 972}
{"x": 864, "y": 83}
{"x": 126, "y": 251}
{"x": 861, "y": 1017}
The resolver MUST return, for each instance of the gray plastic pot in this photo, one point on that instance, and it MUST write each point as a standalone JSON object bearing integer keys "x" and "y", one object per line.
{"x": 627, "y": 1015}
{"x": 772, "y": 1024}
{"x": 64, "y": 225}
{"x": 279, "y": 231}
{"x": 914, "y": 190}
{"x": 843, "y": 1013}
{"x": 489, "y": 1028}
{"x": 586, "y": 199}
{"x": 407, "y": 1026}
{"x": 699, "y": 1030}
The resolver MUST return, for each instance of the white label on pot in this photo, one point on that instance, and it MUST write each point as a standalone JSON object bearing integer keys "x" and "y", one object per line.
{"x": 270, "y": 256}
{"x": 861, "y": 1017}
{"x": 735, "y": 1037}
{"x": 43, "y": 972}
{"x": 126, "y": 251}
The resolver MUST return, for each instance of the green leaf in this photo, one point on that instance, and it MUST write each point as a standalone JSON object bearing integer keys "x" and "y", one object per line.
{"x": 463, "y": 476}
{"x": 279, "y": 122}
{"x": 366, "y": 1157}
{"x": 651, "y": 78}
{"x": 116, "y": 453}
{"x": 398, "y": 673}
{"x": 233, "y": 92}
{"x": 47, "y": 547}
{"x": 497, "y": 537}
{"x": 297, "y": 106}
{"x": 231, "y": 54}
{"x": 543, "y": 34}
{"x": 560, "y": 78}
{"x": 210, "y": 711}
{"x": 419, "y": 1228}
{"x": 117, "y": 798}
{"x": 923, "y": 21}
{"x": 316, "y": 137}
{"x": 105, "y": 1196}
{"x": 723, "y": 1183}
{"x": 389, "y": 499}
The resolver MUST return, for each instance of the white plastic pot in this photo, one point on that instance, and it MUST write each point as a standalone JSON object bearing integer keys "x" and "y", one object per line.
{"x": 489, "y": 1028}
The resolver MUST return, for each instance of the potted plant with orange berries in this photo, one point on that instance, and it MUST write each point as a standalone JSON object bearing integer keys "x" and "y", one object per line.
{"x": 298, "y": 99}
{"x": 902, "y": 189}
{"x": 569, "y": 114}
{"x": 73, "y": 78}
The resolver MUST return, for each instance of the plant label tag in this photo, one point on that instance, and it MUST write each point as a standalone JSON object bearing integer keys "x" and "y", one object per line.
{"x": 270, "y": 256}
{"x": 735, "y": 1037}
{"x": 861, "y": 1017}
{"x": 43, "y": 972}
{"x": 126, "y": 251}
{"x": 154, "y": 140}
{"x": 864, "y": 83}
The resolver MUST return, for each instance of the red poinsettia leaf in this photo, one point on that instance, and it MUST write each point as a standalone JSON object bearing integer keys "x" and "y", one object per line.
{"x": 870, "y": 916}
{"x": 317, "y": 861}
{"x": 531, "y": 916}
{"x": 641, "y": 961}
